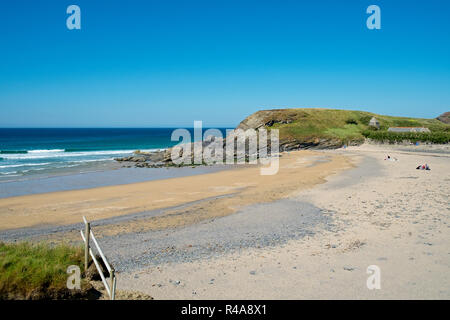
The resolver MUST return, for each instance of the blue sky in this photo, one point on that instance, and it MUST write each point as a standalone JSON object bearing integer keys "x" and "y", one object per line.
{"x": 168, "y": 63}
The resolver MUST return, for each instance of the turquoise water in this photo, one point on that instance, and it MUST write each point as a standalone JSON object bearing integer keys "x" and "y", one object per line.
{"x": 28, "y": 152}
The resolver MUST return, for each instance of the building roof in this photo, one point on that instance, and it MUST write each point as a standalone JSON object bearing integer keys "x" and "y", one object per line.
{"x": 408, "y": 127}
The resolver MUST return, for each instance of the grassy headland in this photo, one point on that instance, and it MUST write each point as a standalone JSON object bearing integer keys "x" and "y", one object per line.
{"x": 332, "y": 128}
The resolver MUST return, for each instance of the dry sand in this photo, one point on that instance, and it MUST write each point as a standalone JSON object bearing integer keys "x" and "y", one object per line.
{"x": 387, "y": 214}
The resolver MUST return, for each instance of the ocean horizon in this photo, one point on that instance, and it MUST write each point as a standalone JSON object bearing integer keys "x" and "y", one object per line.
{"x": 27, "y": 152}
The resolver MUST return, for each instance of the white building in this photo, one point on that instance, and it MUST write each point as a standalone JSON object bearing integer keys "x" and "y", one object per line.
{"x": 374, "y": 123}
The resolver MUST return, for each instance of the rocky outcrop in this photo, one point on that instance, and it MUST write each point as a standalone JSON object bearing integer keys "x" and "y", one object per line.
{"x": 159, "y": 159}
{"x": 314, "y": 143}
{"x": 268, "y": 118}
{"x": 154, "y": 159}
{"x": 445, "y": 117}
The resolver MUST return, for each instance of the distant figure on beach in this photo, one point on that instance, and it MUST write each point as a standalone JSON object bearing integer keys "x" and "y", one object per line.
{"x": 389, "y": 158}
{"x": 423, "y": 167}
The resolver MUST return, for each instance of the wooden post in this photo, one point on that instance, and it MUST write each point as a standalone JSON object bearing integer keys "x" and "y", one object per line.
{"x": 86, "y": 245}
{"x": 113, "y": 284}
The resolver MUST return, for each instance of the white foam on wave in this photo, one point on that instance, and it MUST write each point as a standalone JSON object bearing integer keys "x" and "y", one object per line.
{"x": 8, "y": 173}
{"x": 60, "y": 153}
{"x": 38, "y": 169}
{"x": 25, "y": 165}
{"x": 63, "y": 154}
{"x": 46, "y": 151}
{"x": 59, "y": 159}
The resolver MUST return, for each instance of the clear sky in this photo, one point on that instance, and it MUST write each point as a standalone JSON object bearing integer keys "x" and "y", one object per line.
{"x": 168, "y": 63}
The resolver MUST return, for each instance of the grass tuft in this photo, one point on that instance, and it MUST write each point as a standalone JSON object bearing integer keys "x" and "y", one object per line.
{"x": 26, "y": 268}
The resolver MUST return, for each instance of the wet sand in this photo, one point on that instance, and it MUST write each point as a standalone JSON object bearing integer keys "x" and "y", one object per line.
{"x": 116, "y": 175}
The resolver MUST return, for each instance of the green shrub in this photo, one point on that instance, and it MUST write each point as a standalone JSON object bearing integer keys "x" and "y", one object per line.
{"x": 386, "y": 136}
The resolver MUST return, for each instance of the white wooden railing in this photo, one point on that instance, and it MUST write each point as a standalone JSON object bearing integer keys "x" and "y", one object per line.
{"x": 87, "y": 235}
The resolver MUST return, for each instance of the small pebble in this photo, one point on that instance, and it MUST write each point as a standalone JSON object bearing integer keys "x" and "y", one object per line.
{"x": 349, "y": 268}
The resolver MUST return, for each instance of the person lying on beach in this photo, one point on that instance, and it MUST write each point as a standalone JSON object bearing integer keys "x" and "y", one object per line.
{"x": 423, "y": 167}
{"x": 389, "y": 158}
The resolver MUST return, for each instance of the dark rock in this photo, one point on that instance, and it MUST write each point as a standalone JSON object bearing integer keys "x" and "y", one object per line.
{"x": 445, "y": 117}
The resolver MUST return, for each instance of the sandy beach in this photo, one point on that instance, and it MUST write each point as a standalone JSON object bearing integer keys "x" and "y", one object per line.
{"x": 383, "y": 213}
{"x": 308, "y": 232}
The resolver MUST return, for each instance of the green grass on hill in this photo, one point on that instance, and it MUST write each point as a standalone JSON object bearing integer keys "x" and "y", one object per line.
{"x": 35, "y": 269}
{"x": 346, "y": 126}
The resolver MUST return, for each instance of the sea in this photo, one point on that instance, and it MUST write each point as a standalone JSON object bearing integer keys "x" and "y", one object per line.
{"x": 29, "y": 152}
